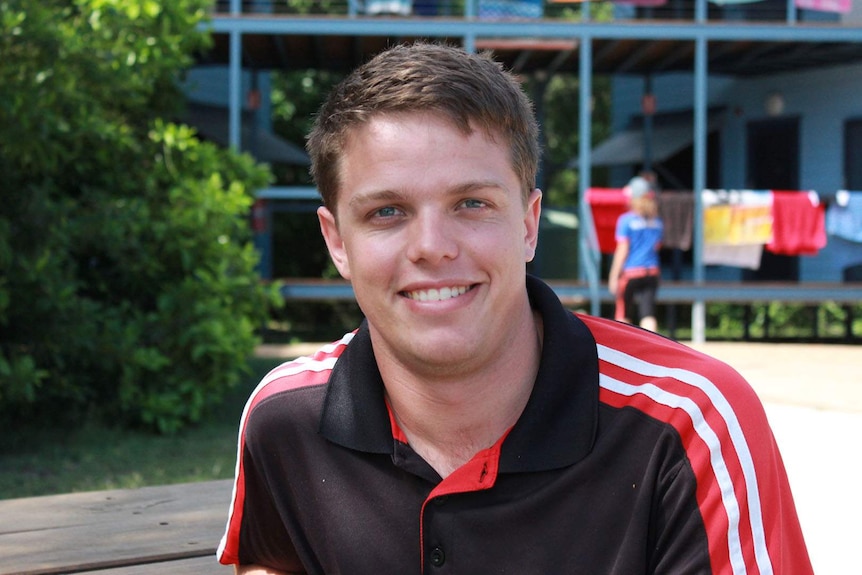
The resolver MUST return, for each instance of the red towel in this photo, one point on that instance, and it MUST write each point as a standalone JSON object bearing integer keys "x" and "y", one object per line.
{"x": 798, "y": 223}
{"x": 606, "y": 205}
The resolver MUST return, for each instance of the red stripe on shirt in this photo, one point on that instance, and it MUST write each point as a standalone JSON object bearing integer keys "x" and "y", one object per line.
{"x": 769, "y": 538}
{"x": 301, "y": 372}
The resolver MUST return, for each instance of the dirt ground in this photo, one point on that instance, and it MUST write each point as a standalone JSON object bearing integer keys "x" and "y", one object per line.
{"x": 813, "y": 398}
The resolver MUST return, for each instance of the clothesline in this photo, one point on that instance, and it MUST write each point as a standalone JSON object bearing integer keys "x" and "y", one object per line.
{"x": 512, "y": 7}
{"x": 739, "y": 224}
{"x": 840, "y": 6}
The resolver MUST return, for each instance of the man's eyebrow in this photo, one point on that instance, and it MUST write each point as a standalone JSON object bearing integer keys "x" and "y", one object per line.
{"x": 391, "y": 195}
{"x": 375, "y": 196}
{"x": 477, "y": 185}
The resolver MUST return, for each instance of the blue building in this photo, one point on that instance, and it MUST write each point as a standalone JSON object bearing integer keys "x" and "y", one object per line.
{"x": 708, "y": 95}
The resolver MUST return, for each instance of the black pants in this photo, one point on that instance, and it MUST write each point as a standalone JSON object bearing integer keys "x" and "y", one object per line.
{"x": 640, "y": 292}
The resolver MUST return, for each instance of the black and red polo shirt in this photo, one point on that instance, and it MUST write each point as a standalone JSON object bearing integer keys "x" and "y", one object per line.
{"x": 634, "y": 454}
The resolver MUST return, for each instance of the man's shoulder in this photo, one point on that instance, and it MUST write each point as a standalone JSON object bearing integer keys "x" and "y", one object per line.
{"x": 299, "y": 375}
{"x": 635, "y": 362}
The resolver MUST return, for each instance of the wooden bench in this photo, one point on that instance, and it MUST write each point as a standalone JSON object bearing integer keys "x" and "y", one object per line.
{"x": 166, "y": 529}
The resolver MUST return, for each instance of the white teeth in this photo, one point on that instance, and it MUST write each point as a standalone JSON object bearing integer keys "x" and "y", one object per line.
{"x": 437, "y": 295}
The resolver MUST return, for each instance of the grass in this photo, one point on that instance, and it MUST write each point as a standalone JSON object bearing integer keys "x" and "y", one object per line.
{"x": 44, "y": 461}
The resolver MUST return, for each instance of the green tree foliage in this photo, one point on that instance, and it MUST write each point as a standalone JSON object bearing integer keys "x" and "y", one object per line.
{"x": 561, "y": 137}
{"x": 296, "y": 96}
{"x": 560, "y": 113}
{"x": 127, "y": 277}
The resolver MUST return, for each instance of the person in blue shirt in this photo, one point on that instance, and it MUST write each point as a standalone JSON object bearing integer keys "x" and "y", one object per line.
{"x": 634, "y": 274}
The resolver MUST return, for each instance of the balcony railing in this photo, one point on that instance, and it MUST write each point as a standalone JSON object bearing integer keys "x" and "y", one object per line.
{"x": 791, "y": 11}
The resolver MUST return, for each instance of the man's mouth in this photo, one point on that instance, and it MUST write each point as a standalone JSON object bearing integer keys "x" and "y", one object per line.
{"x": 437, "y": 294}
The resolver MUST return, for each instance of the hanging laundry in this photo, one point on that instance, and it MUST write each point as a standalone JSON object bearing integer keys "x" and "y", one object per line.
{"x": 642, "y": 3}
{"x": 843, "y": 253}
{"x": 844, "y": 216}
{"x": 737, "y": 217}
{"x": 841, "y": 6}
{"x": 799, "y": 223}
{"x": 742, "y": 256}
{"x": 387, "y": 7}
{"x": 510, "y": 9}
{"x": 606, "y": 206}
{"x": 676, "y": 209}
{"x": 736, "y": 225}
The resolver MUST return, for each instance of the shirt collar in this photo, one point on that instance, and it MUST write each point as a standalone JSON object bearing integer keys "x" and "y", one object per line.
{"x": 559, "y": 422}
{"x": 557, "y": 428}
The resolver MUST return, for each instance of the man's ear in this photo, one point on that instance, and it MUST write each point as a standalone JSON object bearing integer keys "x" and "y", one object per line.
{"x": 334, "y": 242}
{"x": 531, "y": 224}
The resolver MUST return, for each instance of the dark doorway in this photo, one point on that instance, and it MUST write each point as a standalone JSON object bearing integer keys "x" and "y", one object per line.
{"x": 773, "y": 164}
{"x": 853, "y": 154}
{"x": 677, "y": 171}
{"x": 773, "y": 155}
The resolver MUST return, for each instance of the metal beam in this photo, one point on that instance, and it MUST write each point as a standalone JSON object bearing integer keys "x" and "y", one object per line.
{"x": 425, "y": 27}
{"x": 670, "y": 292}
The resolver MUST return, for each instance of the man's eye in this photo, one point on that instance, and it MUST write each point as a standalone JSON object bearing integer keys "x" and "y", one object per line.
{"x": 386, "y": 212}
{"x": 474, "y": 203}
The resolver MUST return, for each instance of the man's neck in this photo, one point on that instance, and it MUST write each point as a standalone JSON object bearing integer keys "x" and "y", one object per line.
{"x": 448, "y": 419}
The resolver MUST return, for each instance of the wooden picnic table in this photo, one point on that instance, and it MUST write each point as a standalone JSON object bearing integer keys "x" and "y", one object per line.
{"x": 165, "y": 529}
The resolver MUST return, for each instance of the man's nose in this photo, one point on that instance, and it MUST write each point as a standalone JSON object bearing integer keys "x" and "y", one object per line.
{"x": 432, "y": 238}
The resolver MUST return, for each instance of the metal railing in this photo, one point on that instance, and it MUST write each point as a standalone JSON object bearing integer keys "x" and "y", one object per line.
{"x": 671, "y": 10}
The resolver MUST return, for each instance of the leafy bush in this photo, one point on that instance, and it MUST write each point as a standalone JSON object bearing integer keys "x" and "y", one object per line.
{"x": 127, "y": 277}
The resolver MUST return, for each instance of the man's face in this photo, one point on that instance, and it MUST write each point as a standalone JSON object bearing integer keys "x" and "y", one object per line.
{"x": 434, "y": 234}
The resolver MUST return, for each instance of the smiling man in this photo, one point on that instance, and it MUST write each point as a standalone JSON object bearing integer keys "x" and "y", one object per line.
{"x": 471, "y": 424}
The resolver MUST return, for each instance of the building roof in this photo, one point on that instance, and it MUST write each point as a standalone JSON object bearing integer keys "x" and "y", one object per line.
{"x": 670, "y": 134}
{"x": 212, "y": 123}
{"x": 623, "y": 47}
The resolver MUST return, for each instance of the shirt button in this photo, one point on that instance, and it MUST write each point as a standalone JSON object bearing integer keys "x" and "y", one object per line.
{"x": 438, "y": 558}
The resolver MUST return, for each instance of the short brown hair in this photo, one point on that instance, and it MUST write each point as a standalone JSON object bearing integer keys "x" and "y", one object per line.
{"x": 468, "y": 89}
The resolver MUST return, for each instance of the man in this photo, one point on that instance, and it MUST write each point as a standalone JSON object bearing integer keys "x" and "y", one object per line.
{"x": 471, "y": 424}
